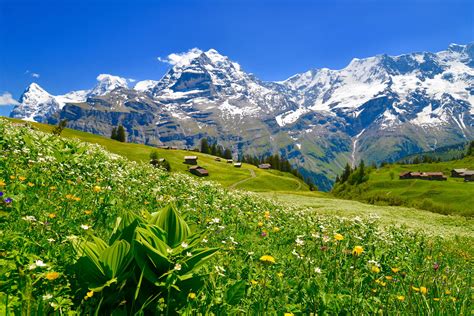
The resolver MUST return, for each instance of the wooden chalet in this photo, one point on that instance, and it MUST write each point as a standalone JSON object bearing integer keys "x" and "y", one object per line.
{"x": 439, "y": 176}
{"x": 190, "y": 160}
{"x": 458, "y": 173}
{"x": 238, "y": 165}
{"x": 164, "y": 147}
{"x": 401, "y": 176}
{"x": 468, "y": 175}
{"x": 230, "y": 161}
{"x": 217, "y": 159}
{"x": 199, "y": 171}
{"x": 264, "y": 166}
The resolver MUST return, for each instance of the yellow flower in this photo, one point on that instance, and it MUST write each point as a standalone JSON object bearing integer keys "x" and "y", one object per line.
{"x": 52, "y": 188}
{"x": 276, "y": 229}
{"x": 288, "y": 314}
{"x": 51, "y": 276}
{"x": 357, "y": 251}
{"x": 12, "y": 177}
{"x": 375, "y": 269}
{"x": 267, "y": 259}
{"x": 436, "y": 299}
{"x": 69, "y": 196}
{"x": 75, "y": 198}
{"x": 447, "y": 292}
{"x": 388, "y": 277}
{"x": 280, "y": 275}
{"x": 423, "y": 290}
{"x": 338, "y": 237}
{"x": 146, "y": 202}
{"x": 51, "y": 215}
{"x": 22, "y": 178}
{"x": 97, "y": 189}
{"x": 70, "y": 182}
{"x": 395, "y": 270}
{"x": 30, "y": 184}
{"x": 192, "y": 296}
{"x": 401, "y": 298}
{"x": 2, "y": 184}
{"x": 267, "y": 214}
{"x": 253, "y": 282}
{"x": 415, "y": 289}
{"x": 380, "y": 282}
{"x": 90, "y": 293}
{"x": 260, "y": 224}
{"x": 88, "y": 212}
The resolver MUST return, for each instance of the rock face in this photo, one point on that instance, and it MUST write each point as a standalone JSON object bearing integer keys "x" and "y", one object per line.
{"x": 378, "y": 108}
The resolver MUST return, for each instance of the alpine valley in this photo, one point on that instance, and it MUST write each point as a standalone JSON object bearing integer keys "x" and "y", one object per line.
{"x": 377, "y": 109}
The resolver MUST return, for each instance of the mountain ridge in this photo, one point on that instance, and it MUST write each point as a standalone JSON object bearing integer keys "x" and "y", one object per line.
{"x": 377, "y": 108}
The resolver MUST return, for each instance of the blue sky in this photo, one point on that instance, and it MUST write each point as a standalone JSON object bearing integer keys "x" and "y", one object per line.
{"x": 63, "y": 45}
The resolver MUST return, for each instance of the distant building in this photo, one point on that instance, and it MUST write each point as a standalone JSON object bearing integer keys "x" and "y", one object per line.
{"x": 199, "y": 171}
{"x": 174, "y": 147}
{"x": 164, "y": 147}
{"x": 230, "y": 161}
{"x": 190, "y": 160}
{"x": 458, "y": 173}
{"x": 468, "y": 175}
{"x": 217, "y": 159}
{"x": 439, "y": 176}
{"x": 238, "y": 164}
{"x": 265, "y": 166}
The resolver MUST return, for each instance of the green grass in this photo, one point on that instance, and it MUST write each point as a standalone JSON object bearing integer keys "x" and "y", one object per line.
{"x": 221, "y": 172}
{"x": 453, "y": 196}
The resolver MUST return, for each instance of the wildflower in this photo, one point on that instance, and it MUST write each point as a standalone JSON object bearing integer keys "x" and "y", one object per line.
{"x": 280, "y": 275}
{"x": 40, "y": 263}
{"x": 169, "y": 250}
{"x": 416, "y": 289}
{"x": 251, "y": 253}
{"x": 75, "y": 198}
{"x": 338, "y": 237}
{"x": 97, "y": 189}
{"x": 299, "y": 242}
{"x": 375, "y": 269}
{"x": 436, "y": 266}
{"x": 253, "y": 282}
{"x": 192, "y": 296}
{"x": 325, "y": 238}
{"x": 21, "y": 178}
{"x": 447, "y": 292}
{"x": 317, "y": 270}
{"x": 401, "y": 298}
{"x": 288, "y": 314}
{"x": 50, "y": 240}
{"x": 357, "y": 251}
{"x": 395, "y": 270}
{"x": 267, "y": 259}
{"x": 184, "y": 245}
{"x": 220, "y": 270}
{"x": 388, "y": 277}
{"x": 12, "y": 177}
{"x": 29, "y": 218}
{"x": 260, "y": 224}
{"x": 177, "y": 267}
{"x": 1, "y": 193}
{"x": 51, "y": 215}
{"x": 436, "y": 299}
{"x": 204, "y": 240}
{"x": 276, "y": 229}
{"x": 423, "y": 290}
{"x": 51, "y": 276}
{"x": 2, "y": 184}
{"x": 264, "y": 233}
{"x": 47, "y": 297}
{"x": 53, "y": 189}
{"x": 90, "y": 294}
{"x": 85, "y": 227}
{"x": 88, "y": 212}
{"x": 267, "y": 214}
{"x": 30, "y": 184}
{"x": 189, "y": 254}
{"x": 8, "y": 200}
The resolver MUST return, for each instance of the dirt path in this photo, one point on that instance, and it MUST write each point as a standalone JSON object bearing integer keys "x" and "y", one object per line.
{"x": 252, "y": 175}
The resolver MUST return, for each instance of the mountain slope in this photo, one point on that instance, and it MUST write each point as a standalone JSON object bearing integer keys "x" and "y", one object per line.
{"x": 378, "y": 109}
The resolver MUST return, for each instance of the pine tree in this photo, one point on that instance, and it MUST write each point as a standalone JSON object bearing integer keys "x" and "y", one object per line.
{"x": 121, "y": 137}
{"x": 227, "y": 154}
{"x": 214, "y": 149}
{"x": 59, "y": 129}
{"x": 114, "y": 133}
{"x": 204, "y": 146}
{"x": 470, "y": 149}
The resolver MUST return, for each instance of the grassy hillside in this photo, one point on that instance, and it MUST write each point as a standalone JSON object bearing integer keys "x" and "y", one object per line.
{"x": 248, "y": 177}
{"x": 443, "y": 153}
{"x": 82, "y": 231}
{"x": 453, "y": 196}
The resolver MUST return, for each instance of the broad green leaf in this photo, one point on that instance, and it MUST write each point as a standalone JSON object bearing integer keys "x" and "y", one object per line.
{"x": 236, "y": 293}
{"x": 116, "y": 258}
{"x": 198, "y": 259}
{"x": 172, "y": 223}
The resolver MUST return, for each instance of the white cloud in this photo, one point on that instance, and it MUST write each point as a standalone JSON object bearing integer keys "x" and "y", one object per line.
{"x": 181, "y": 59}
{"x": 35, "y": 75}
{"x": 7, "y": 99}
{"x": 131, "y": 80}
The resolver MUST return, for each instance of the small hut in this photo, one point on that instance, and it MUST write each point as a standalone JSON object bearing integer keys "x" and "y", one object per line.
{"x": 190, "y": 160}
{"x": 238, "y": 165}
{"x": 264, "y": 166}
{"x": 439, "y": 176}
{"x": 405, "y": 175}
{"x": 217, "y": 159}
{"x": 230, "y": 161}
{"x": 199, "y": 171}
{"x": 468, "y": 175}
{"x": 458, "y": 173}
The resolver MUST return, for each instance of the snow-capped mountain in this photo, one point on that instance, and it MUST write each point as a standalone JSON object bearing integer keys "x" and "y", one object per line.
{"x": 376, "y": 108}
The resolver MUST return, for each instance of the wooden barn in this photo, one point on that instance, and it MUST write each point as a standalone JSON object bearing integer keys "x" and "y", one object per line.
{"x": 264, "y": 166}
{"x": 458, "y": 173}
{"x": 468, "y": 175}
{"x": 238, "y": 165}
{"x": 439, "y": 176}
{"x": 230, "y": 161}
{"x": 217, "y": 159}
{"x": 199, "y": 171}
{"x": 401, "y": 176}
{"x": 190, "y": 160}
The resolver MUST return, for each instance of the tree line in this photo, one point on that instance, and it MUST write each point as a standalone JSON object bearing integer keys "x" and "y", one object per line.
{"x": 353, "y": 176}
{"x": 118, "y": 133}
